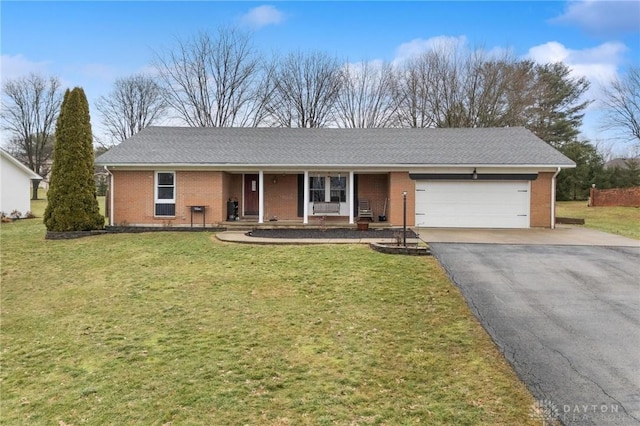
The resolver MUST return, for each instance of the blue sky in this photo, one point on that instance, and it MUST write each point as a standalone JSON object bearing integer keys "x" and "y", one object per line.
{"x": 90, "y": 44}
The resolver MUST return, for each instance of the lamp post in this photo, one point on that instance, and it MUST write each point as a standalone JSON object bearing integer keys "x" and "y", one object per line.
{"x": 404, "y": 218}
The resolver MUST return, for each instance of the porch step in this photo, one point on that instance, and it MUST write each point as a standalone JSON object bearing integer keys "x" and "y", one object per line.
{"x": 248, "y": 226}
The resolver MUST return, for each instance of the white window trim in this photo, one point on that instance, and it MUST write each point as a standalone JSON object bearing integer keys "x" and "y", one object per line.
{"x": 345, "y": 206}
{"x": 327, "y": 187}
{"x": 155, "y": 192}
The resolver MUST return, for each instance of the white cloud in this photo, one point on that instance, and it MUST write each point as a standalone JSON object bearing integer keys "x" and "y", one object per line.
{"x": 602, "y": 17}
{"x": 598, "y": 64}
{"x": 418, "y": 46}
{"x": 14, "y": 66}
{"x": 262, "y": 16}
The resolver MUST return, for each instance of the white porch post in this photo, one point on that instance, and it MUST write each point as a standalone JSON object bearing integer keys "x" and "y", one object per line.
{"x": 305, "y": 215}
{"x": 351, "y": 197}
{"x": 261, "y": 196}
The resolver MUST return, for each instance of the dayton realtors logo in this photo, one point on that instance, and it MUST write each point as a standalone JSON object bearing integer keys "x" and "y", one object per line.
{"x": 599, "y": 413}
{"x": 544, "y": 410}
{"x": 550, "y": 413}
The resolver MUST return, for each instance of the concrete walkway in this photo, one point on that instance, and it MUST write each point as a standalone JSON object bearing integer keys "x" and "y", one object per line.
{"x": 241, "y": 237}
{"x": 562, "y": 235}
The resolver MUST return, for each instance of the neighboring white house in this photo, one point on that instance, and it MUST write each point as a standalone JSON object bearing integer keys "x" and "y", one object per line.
{"x": 15, "y": 184}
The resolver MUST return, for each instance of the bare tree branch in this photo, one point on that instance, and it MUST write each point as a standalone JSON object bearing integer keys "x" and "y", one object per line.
{"x": 212, "y": 82}
{"x": 622, "y": 99}
{"x": 30, "y": 107}
{"x": 305, "y": 90}
{"x": 366, "y": 99}
{"x": 134, "y": 103}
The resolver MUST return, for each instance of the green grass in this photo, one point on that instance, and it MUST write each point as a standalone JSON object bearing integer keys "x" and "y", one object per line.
{"x": 623, "y": 221}
{"x": 179, "y": 327}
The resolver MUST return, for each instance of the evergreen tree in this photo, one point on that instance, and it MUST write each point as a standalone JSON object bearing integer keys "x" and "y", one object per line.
{"x": 72, "y": 192}
{"x": 574, "y": 184}
{"x": 557, "y": 108}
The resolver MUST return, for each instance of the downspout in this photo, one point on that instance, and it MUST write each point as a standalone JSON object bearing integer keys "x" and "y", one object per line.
{"x": 110, "y": 200}
{"x": 553, "y": 199}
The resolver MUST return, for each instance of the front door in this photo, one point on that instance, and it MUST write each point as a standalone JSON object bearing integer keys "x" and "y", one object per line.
{"x": 251, "y": 194}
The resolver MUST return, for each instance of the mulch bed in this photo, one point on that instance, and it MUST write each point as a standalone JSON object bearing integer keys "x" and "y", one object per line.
{"x": 345, "y": 233}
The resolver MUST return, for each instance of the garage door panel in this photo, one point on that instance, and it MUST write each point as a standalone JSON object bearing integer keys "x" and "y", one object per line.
{"x": 484, "y": 204}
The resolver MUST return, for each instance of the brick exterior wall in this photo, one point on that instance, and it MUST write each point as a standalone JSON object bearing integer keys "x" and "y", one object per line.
{"x": 200, "y": 188}
{"x": 616, "y": 197}
{"x": 374, "y": 187}
{"x": 281, "y": 197}
{"x": 399, "y": 182}
{"x": 134, "y": 202}
{"x": 540, "y": 203}
{"x": 134, "y": 197}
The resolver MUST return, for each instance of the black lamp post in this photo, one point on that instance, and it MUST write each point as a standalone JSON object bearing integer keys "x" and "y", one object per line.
{"x": 404, "y": 218}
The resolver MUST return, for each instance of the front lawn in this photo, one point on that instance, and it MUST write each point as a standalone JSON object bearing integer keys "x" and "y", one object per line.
{"x": 178, "y": 327}
{"x": 623, "y": 221}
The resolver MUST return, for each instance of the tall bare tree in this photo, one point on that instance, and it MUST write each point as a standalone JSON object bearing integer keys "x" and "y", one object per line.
{"x": 212, "y": 81}
{"x": 306, "y": 87}
{"x": 622, "y": 100}
{"x": 412, "y": 93}
{"x": 428, "y": 88}
{"x": 134, "y": 103}
{"x": 449, "y": 86}
{"x": 30, "y": 107}
{"x": 366, "y": 99}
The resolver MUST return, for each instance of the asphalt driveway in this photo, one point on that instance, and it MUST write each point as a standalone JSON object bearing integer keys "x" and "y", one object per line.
{"x": 566, "y": 317}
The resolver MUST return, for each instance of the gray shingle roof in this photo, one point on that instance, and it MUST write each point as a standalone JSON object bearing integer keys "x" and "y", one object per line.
{"x": 322, "y": 147}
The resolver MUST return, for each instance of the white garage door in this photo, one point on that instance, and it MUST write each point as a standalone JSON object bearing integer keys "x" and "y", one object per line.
{"x": 472, "y": 204}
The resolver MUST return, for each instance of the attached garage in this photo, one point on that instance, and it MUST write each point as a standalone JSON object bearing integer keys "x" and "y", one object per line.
{"x": 473, "y": 204}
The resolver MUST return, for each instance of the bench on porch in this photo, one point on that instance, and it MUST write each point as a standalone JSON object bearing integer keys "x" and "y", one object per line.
{"x": 326, "y": 207}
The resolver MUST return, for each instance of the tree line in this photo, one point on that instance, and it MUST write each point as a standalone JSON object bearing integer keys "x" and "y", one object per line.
{"x": 220, "y": 80}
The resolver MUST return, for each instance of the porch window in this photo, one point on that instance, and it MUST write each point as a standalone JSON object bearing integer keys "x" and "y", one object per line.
{"x": 338, "y": 189}
{"x": 165, "y": 194}
{"x": 316, "y": 188}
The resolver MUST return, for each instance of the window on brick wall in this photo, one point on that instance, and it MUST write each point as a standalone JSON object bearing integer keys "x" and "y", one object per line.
{"x": 335, "y": 191}
{"x": 165, "y": 194}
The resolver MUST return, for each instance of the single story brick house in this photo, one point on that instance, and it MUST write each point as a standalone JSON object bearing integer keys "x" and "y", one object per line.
{"x": 476, "y": 178}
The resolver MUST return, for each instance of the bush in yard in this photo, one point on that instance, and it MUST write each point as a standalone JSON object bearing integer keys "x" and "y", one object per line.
{"x": 72, "y": 204}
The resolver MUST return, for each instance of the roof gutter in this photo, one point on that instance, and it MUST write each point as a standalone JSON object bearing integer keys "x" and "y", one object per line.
{"x": 395, "y": 166}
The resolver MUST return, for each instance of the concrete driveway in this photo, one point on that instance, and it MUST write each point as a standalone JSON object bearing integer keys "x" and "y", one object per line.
{"x": 566, "y": 317}
{"x": 562, "y": 235}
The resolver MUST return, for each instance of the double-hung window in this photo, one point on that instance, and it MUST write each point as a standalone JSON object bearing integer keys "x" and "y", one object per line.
{"x": 338, "y": 188}
{"x": 335, "y": 191}
{"x": 316, "y": 188}
{"x": 165, "y": 194}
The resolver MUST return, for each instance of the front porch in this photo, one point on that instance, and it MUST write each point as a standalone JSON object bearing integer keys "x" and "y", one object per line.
{"x": 306, "y": 198}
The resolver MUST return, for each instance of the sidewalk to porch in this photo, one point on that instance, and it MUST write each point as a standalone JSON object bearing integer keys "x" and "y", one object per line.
{"x": 242, "y": 237}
